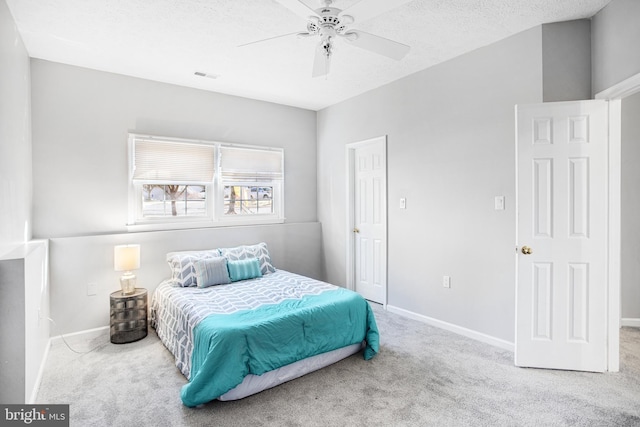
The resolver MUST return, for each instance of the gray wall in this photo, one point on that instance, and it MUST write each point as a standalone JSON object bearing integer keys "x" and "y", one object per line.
{"x": 566, "y": 61}
{"x": 615, "y": 40}
{"x": 77, "y": 261}
{"x": 12, "y": 331}
{"x": 450, "y": 151}
{"x": 15, "y": 135}
{"x": 24, "y": 328}
{"x": 80, "y": 122}
{"x": 630, "y": 250}
{"x": 24, "y": 288}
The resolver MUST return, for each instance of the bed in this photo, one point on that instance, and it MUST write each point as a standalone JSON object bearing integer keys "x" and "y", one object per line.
{"x": 236, "y": 325}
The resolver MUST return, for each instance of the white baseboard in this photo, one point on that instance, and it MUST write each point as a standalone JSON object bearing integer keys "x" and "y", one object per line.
{"x": 79, "y": 334}
{"x": 36, "y": 386}
{"x": 634, "y": 323}
{"x": 488, "y": 339}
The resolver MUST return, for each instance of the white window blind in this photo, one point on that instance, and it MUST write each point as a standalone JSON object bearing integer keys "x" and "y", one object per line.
{"x": 178, "y": 162}
{"x": 250, "y": 164}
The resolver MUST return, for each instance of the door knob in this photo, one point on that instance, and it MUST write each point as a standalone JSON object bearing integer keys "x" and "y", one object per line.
{"x": 526, "y": 250}
{"x": 355, "y": 230}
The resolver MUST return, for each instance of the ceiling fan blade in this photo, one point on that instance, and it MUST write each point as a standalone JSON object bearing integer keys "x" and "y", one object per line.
{"x": 377, "y": 44}
{"x": 367, "y": 9}
{"x": 299, "y": 8}
{"x": 275, "y": 37}
{"x": 321, "y": 63}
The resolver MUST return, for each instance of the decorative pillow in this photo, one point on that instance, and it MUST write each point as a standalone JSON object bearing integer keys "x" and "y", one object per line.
{"x": 258, "y": 251}
{"x": 243, "y": 269}
{"x": 211, "y": 272}
{"x": 182, "y": 265}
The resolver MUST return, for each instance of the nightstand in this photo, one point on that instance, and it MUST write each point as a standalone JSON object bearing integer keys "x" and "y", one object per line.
{"x": 128, "y": 316}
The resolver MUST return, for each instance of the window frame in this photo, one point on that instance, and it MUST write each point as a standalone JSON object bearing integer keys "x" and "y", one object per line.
{"x": 214, "y": 200}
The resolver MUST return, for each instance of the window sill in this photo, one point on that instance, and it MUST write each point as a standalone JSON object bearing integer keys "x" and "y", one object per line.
{"x": 163, "y": 226}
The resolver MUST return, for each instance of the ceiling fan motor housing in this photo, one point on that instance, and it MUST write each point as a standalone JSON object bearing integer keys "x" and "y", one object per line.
{"x": 328, "y": 20}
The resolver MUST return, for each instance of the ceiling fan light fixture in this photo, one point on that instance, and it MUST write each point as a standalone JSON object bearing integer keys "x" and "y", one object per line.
{"x": 350, "y": 36}
{"x": 347, "y": 19}
{"x": 313, "y": 27}
{"x": 327, "y": 46}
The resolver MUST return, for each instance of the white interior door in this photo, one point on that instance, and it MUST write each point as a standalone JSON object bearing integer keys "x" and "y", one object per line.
{"x": 562, "y": 192}
{"x": 370, "y": 219}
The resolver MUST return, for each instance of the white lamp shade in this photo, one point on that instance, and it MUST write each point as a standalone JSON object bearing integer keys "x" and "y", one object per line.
{"x": 126, "y": 257}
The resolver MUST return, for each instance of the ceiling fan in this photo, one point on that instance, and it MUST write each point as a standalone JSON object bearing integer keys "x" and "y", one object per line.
{"x": 330, "y": 23}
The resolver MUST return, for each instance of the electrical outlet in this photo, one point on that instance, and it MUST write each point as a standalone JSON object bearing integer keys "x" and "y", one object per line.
{"x": 92, "y": 289}
{"x": 446, "y": 281}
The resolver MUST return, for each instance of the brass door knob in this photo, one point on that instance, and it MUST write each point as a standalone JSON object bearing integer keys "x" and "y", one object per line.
{"x": 355, "y": 230}
{"x": 526, "y": 250}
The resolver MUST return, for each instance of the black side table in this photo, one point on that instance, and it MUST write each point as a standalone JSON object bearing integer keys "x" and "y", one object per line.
{"x": 128, "y": 316}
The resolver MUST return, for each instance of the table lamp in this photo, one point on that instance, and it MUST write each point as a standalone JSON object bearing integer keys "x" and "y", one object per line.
{"x": 127, "y": 258}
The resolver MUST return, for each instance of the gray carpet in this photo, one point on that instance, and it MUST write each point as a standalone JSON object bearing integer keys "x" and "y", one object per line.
{"x": 423, "y": 376}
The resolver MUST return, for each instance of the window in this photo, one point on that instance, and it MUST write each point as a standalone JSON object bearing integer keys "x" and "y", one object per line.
{"x": 244, "y": 200}
{"x": 178, "y": 183}
{"x": 162, "y": 200}
{"x": 251, "y": 179}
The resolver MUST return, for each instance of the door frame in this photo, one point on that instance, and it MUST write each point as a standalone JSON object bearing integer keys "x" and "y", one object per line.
{"x": 350, "y": 203}
{"x": 614, "y": 95}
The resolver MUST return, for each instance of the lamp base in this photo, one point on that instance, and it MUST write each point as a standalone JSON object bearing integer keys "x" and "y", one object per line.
{"x": 128, "y": 283}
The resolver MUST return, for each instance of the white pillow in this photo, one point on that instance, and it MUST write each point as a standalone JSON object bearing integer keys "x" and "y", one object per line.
{"x": 259, "y": 251}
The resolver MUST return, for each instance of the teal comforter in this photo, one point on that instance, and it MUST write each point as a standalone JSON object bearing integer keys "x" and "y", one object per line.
{"x": 227, "y": 347}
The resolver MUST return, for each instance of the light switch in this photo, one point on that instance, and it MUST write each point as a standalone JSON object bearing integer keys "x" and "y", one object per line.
{"x": 499, "y": 203}
{"x": 403, "y": 203}
{"x": 446, "y": 281}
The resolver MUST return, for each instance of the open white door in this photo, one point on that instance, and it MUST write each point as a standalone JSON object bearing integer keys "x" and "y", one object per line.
{"x": 562, "y": 235}
{"x": 368, "y": 218}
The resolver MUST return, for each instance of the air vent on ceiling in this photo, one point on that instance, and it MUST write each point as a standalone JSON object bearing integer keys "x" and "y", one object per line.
{"x": 207, "y": 75}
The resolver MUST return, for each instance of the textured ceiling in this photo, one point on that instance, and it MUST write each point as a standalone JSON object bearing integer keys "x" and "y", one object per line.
{"x": 169, "y": 40}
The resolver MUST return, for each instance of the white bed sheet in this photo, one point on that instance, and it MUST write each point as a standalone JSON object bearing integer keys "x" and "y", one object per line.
{"x": 253, "y": 384}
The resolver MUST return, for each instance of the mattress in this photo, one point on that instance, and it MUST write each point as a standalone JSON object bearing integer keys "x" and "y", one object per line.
{"x": 233, "y": 340}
